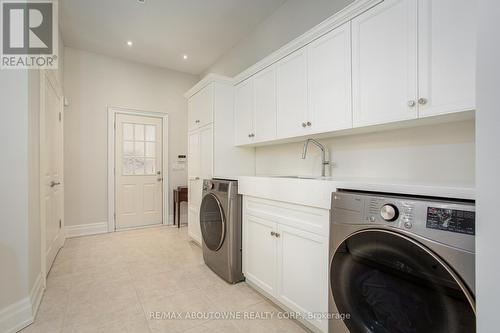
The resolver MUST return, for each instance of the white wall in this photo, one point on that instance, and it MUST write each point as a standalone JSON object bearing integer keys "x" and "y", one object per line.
{"x": 93, "y": 82}
{"x": 289, "y": 21}
{"x": 440, "y": 153}
{"x": 488, "y": 168}
{"x": 14, "y": 187}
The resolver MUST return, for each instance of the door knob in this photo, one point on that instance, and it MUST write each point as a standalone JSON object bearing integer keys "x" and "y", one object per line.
{"x": 53, "y": 183}
{"x": 422, "y": 101}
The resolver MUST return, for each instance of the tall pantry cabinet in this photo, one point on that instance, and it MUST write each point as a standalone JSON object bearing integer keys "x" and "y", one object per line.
{"x": 211, "y": 153}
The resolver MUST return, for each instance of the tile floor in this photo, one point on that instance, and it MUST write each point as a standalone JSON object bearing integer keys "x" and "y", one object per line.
{"x": 112, "y": 283}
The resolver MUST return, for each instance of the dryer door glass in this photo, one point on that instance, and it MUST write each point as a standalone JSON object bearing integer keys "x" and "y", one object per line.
{"x": 388, "y": 283}
{"x": 212, "y": 222}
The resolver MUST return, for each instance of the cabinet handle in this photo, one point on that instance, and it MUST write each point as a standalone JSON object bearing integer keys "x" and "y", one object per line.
{"x": 309, "y": 123}
{"x": 304, "y": 124}
{"x": 422, "y": 101}
{"x": 273, "y": 233}
{"x": 411, "y": 103}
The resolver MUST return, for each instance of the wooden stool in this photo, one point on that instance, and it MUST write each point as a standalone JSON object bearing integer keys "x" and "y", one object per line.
{"x": 180, "y": 195}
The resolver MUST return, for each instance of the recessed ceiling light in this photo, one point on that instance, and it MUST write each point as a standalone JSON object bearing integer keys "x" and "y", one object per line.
{"x": 129, "y": 43}
{"x": 185, "y": 56}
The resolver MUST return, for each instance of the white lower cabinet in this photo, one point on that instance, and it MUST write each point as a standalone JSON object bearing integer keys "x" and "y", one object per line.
{"x": 260, "y": 259}
{"x": 194, "y": 229}
{"x": 286, "y": 257}
{"x": 303, "y": 272}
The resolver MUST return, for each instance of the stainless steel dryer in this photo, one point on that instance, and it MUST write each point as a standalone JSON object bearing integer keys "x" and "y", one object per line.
{"x": 220, "y": 222}
{"x": 401, "y": 264}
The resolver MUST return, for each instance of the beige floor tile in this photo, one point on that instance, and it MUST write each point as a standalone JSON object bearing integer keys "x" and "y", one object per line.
{"x": 115, "y": 282}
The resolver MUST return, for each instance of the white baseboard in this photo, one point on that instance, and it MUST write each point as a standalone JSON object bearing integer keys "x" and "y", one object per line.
{"x": 17, "y": 316}
{"x": 36, "y": 294}
{"x": 86, "y": 229}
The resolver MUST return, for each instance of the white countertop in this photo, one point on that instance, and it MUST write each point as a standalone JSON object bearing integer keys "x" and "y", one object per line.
{"x": 316, "y": 192}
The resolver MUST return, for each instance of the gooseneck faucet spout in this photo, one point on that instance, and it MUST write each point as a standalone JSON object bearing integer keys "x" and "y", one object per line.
{"x": 324, "y": 153}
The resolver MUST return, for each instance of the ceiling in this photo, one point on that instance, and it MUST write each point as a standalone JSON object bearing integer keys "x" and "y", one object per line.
{"x": 162, "y": 31}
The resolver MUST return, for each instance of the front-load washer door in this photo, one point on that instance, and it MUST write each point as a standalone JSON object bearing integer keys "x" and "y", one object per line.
{"x": 212, "y": 222}
{"x": 388, "y": 283}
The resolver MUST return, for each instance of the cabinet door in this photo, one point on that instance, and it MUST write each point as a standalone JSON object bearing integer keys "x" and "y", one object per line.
{"x": 194, "y": 230}
{"x": 292, "y": 94}
{"x": 259, "y": 252}
{"x": 447, "y": 38}
{"x": 384, "y": 69}
{"x": 329, "y": 78}
{"x": 201, "y": 108}
{"x": 194, "y": 162}
{"x": 265, "y": 104}
{"x": 303, "y": 272}
{"x": 244, "y": 106}
{"x": 206, "y": 153}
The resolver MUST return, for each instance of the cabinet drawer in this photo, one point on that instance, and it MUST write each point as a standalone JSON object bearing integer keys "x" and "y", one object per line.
{"x": 311, "y": 219}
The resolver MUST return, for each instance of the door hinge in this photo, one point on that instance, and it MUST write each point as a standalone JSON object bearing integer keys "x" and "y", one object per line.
{"x": 60, "y": 116}
{"x": 60, "y": 223}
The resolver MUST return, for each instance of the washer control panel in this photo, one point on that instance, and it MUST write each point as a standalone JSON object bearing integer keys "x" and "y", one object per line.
{"x": 450, "y": 222}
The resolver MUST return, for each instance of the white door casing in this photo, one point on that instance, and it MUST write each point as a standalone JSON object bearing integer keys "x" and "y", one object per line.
{"x": 51, "y": 170}
{"x": 138, "y": 176}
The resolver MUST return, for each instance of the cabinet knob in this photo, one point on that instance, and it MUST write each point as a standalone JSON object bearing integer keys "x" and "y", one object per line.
{"x": 249, "y": 135}
{"x": 273, "y": 233}
{"x": 411, "y": 103}
{"x": 309, "y": 123}
{"x": 304, "y": 124}
{"x": 197, "y": 121}
{"x": 422, "y": 101}
{"x": 277, "y": 234}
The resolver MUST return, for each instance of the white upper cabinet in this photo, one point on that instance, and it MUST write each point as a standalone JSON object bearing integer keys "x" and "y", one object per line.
{"x": 201, "y": 108}
{"x": 384, "y": 63}
{"x": 292, "y": 94}
{"x": 447, "y": 30}
{"x": 265, "y": 105}
{"x": 255, "y": 108}
{"x": 244, "y": 106}
{"x": 329, "y": 81}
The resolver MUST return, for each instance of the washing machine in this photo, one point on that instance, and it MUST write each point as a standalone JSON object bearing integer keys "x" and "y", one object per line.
{"x": 401, "y": 264}
{"x": 220, "y": 223}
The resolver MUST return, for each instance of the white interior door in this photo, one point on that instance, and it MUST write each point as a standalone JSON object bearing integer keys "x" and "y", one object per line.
{"x": 138, "y": 173}
{"x": 52, "y": 170}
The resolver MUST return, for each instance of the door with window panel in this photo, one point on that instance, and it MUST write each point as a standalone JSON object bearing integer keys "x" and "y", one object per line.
{"x": 138, "y": 172}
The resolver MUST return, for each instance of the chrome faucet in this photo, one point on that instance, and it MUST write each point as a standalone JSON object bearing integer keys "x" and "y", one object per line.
{"x": 324, "y": 154}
